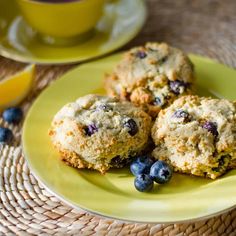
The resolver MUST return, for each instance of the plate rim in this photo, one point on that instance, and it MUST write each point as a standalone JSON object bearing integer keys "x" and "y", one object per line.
{"x": 77, "y": 206}
{"x": 10, "y": 53}
{"x": 192, "y": 220}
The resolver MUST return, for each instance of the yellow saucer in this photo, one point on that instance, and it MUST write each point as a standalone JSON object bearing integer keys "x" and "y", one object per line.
{"x": 121, "y": 22}
{"x": 184, "y": 198}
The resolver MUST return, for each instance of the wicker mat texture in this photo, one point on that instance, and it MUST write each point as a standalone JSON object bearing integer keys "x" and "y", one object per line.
{"x": 206, "y": 27}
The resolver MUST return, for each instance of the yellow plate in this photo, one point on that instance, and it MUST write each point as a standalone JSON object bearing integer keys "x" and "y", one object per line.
{"x": 113, "y": 195}
{"x": 122, "y": 20}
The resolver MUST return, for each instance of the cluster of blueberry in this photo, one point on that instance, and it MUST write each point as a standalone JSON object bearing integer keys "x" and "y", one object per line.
{"x": 11, "y": 115}
{"x": 147, "y": 171}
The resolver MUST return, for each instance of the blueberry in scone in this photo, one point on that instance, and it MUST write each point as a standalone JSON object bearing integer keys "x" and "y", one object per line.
{"x": 197, "y": 135}
{"x": 151, "y": 76}
{"x": 100, "y": 132}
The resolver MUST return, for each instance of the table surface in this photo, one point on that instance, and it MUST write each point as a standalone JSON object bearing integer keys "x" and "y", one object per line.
{"x": 205, "y": 27}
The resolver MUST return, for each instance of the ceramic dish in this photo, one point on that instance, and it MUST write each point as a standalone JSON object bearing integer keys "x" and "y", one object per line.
{"x": 185, "y": 198}
{"x": 117, "y": 27}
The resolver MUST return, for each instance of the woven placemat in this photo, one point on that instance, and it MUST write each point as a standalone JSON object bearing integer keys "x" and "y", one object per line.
{"x": 205, "y": 27}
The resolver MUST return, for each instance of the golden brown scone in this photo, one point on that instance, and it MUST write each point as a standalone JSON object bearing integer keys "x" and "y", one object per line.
{"x": 99, "y": 132}
{"x": 151, "y": 76}
{"x": 197, "y": 135}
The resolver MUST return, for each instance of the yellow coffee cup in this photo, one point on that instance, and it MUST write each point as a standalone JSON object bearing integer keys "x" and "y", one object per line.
{"x": 62, "y": 20}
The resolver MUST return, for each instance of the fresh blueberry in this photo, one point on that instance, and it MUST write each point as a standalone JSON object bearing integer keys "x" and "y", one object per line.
{"x": 12, "y": 115}
{"x": 211, "y": 127}
{"x": 182, "y": 114}
{"x": 143, "y": 183}
{"x": 176, "y": 86}
{"x": 141, "y": 165}
{"x": 91, "y": 129}
{"x": 161, "y": 172}
{"x": 6, "y": 135}
{"x": 141, "y": 54}
{"x": 132, "y": 127}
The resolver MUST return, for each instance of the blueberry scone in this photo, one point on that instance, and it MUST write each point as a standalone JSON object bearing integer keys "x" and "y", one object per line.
{"x": 151, "y": 76}
{"x": 99, "y": 132}
{"x": 197, "y": 136}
